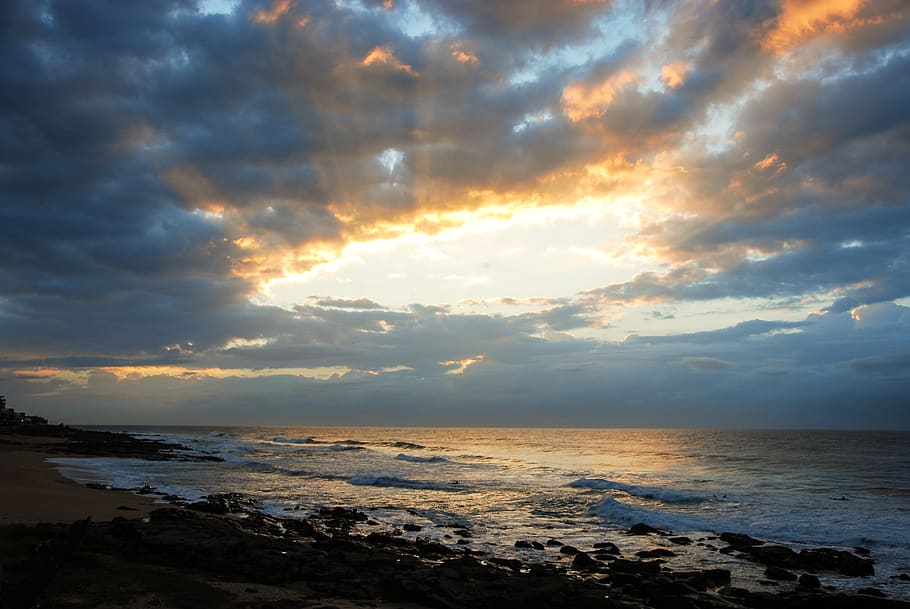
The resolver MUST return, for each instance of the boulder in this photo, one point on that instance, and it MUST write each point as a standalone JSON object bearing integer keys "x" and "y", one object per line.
{"x": 655, "y": 553}
{"x": 607, "y": 547}
{"x": 583, "y": 562}
{"x": 642, "y": 529}
{"x": 807, "y": 580}
{"x": 779, "y": 574}
{"x": 829, "y": 559}
{"x": 680, "y": 541}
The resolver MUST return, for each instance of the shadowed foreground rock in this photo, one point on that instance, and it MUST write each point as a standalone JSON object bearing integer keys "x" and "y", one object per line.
{"x": 190, "y": 559}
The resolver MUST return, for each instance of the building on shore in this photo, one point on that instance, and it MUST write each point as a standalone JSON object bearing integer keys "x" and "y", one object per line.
{"x": 9, "y": 417}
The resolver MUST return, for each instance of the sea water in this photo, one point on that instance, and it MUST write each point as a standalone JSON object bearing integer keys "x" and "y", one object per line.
{"x": 578, "y": 486}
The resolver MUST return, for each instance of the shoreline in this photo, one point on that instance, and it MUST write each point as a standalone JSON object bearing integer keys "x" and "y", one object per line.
{"x": 224, "y": 552}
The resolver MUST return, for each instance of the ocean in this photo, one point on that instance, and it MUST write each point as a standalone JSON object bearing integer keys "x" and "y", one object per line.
{"x": 578, "y": 486}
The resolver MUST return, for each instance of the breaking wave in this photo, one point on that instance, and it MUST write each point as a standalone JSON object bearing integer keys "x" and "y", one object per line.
{"x": 396, "y": 482}
{"x": 416, "y": 459}
{"x": 619, "y": 513}
{"x": 280, "y": 440}
{"x": 664, "y": 495}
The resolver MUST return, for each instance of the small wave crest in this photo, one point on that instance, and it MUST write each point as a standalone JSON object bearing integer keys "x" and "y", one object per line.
{"x": 396, "y": 482}
{"x": 405, "y": 445}
{"x": 280, "y": 440}
{"x": 418, "y": 459}
{"x": 345, "y": 447}
{"x": 663, "y": 495}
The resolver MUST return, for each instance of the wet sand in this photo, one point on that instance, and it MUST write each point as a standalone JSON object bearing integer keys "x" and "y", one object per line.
{"x": 33, "y": 491}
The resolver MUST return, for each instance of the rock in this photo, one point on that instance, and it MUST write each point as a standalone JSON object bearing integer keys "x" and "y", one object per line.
{"x": 680, "y": 541}
{"x": 704, "y": 579}
{"x": 462, "y": 533}
{"x": 537, "y": 545}
{"x": 642, "y": 529}
{"x": 902, "y": 577}
{"x": 776, "y": 556}
{"x": 225, "y": 503}
{"x": 871, "y": 592}
{"x": 779, "y": 574}
{"x": 638, "y": 567}
{"x": 733, "y": 592}
{"x": 738, "y": 540}
{"x": 655, "y": 553}
{"x": 340, "y": 513}
{"x": 523, "y": 544}
{"x": 828, "y": 559}
{"x": 862, "y": 551}
{"x": 807, "y": 580}
{"x": 411, "y": 527}
{"x": 126, "y": 508}
{"x": 570, "y": 550}
{"x": 583, "y": 562}
{"x": 512, "y": 563}
{"x": 621, "y": 578}
{"x": 554, "y": 543}
{"x": 607, "y": 547}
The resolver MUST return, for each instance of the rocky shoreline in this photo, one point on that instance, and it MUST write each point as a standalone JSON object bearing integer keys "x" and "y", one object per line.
{"x": 224, "y": 552}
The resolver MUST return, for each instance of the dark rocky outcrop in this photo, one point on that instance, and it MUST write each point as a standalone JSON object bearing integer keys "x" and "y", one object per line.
{"x": 813, "y": 559}
{"x": 187, "y": 558}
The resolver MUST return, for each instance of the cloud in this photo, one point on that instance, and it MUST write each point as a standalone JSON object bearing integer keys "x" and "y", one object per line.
{"x": 347, "y": 303}
{"x": 891, "y": 364}
{"x": 278, "y": 9}
{"x": 384, "y": 55}
{"x": 802, "y": 20}
{"x": 705, "y": 363}
{"x": 393, "y": 374}
{"x": 160, "y": 165}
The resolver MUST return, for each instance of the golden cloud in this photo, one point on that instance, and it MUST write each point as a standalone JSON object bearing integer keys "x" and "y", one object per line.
{"x": 591, "y": 100}
{"x": 802, "y": 20}
{"x": 272, "y": 15}
{"x": 385, "y": 56}
{"x": 673, "y": 75}
{"x": 461, "y": 55}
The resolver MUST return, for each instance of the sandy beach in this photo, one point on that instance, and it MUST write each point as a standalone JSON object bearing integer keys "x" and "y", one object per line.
{"x": 33, "y": 491}
{"x": 69, "y": 546}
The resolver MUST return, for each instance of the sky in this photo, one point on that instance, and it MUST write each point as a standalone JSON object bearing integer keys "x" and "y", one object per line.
{"x": 616, "y": 213}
